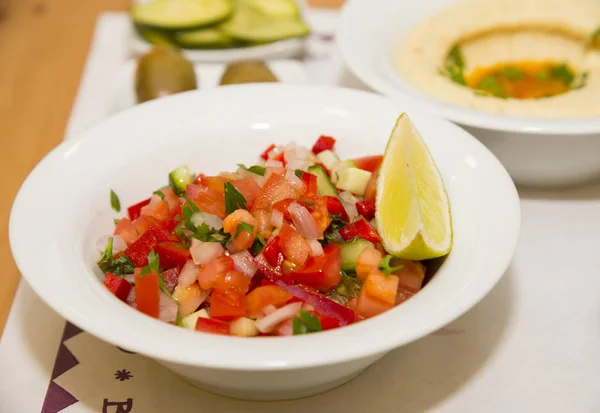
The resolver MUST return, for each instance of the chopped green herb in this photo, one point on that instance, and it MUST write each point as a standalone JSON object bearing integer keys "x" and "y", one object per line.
{"x": 159, "y": 193}
{"x": 161, "y": 285}
{"x": 580, "y": 81}
{"x": 243, "y": 227}
{"x": 233, "y": 199}
{"x": 116, "y": 221}
{"x": 114, "y": 201}
{"x": 512, "y": 73}
{"x": 299, "y": 173}
{"x": 384, "y": 266}
{"x": 305, "y": 323}
{"x": 542, "y": 75}
{"x": 184, "y": 245}
{"x": 348, "y": 288}
{"x": 455, "y": 57}
{"x": 454, "y": 65}
{"x": 192, "y": 205}
{"x": 595, "y": 38}
{"x": 153, "y": 264}
{"x": 563, "y": 73}
{"x": 256, "y": 169}
{"x": 121, "y": 266}
{"x": 491, "y": 85}
{"x": 257, "y": 245}
{"x": 179, "y": 320}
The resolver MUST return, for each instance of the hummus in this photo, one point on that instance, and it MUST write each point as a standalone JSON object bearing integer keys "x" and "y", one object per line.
{"x": 494, "y": 33}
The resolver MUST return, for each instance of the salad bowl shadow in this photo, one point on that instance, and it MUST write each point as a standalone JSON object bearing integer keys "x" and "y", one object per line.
{"x": 211, "y": 131}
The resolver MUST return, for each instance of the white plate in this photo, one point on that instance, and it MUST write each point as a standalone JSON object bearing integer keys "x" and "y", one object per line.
{"x": 63, "y": 208}
{"x": 207, "y": 75}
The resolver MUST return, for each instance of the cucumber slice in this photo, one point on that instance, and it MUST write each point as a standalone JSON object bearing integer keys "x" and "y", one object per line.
{"x": 353, "y": 179}
{"x": 179, "y": 179}
{"x": 250, "y": 26}
{"x": 324, "y": 185}
{"x": 181, "y": 14}
{"x": 155, "y": 37}
{"x": 209, "y": 38}
{"x": 281, "y": 9}
{"x": 350, "y": 252}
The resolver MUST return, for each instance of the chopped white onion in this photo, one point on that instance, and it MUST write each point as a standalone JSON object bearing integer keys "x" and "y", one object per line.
{"x": 230, "y": 247}
{"x": 271, "y": 171}
{"x": 316, "y": 247}
{"x": 273, "y": 164}
{"x": 347, "y": 196}
{"x": 189, "y": 303}
{"x": 304, "y": 222}
{"x": 350, "y": 210}
{"x": 297, "y": 164}
{"x": 269, "y": 309}
{"x": 373, "y": 223}
{"x": 117, "y": 246}
{"x": 296, "y": 182}
{"x": 211, "y": 220}
{"x": 273, "y": 153}
{"x": 269, "y": 322}
{"x": 296, "y": 152}
{"x": 129, "y": 278}
{"x": 189, "y": 274}
{"x": 205, "y": 252}
{"x": 286, "y": 328}
{"x": 167, "y": 308}
{"x": 276, "y": 218}
{"x": 260, "y": 180}
{"x": 244, "y": 263}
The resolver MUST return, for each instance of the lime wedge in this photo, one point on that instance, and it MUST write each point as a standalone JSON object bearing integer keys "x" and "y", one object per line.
{"x": 413, "y": 211}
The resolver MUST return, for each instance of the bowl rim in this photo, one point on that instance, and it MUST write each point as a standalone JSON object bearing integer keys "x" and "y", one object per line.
{"x": 350, "y": 25}
{"x": 362, "y": 346}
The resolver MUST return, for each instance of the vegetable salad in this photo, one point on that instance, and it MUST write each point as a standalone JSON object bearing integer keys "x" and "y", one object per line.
{"x": 284, "y": 247}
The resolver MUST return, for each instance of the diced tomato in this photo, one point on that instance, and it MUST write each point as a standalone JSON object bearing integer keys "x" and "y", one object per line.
{"x": 147, "y": 293}
{"x": 293, "y": 246}
{"x": 171, "y": 277}
{"x": 359, "y": 228}
{"x": 369, "y": 163}
{"x": 265, "y": 228}
{"x": 366, "y": 209}
{"x": 310, "y": 184}
{"x": 282, "y": 206}
{"x": 172, "y": 255}
{"x": 126, "y": 230}
{"x": 410, "y": 279}
{"x": 272, "y": 251}
{"x": 324, "y": 143}
{"x": 119, "y": 286}
{"x": 322, "y": 272}
{"x": 371, "y": 189}
{"x": 212, "y": 326}
{"x": 189, "y": 298}
{"x": 134, "y": 210}
{"x": 368, "y": 260}
{"x": 139, "y": 250}
{"x": 249, "y": 190}
{"x": 263, "y": 296}
{"x": 276, "y": 189}
{"x": 243, "y": 227}
{"x": 382, "y": 287}
{"x": 157, "y": 208}
{"x": 207, "y": 200}
{"x": 232, "y": 281}
{"x": 368, "y": 306}
{"x": 227, "y": 305}
{"x": 219, "y": 266}
{"x": 335, "y": 207}
{"x": 265, "y": 154}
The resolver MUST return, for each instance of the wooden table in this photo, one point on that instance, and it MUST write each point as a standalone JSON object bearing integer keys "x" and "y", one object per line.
{"x": 43, "y": 47}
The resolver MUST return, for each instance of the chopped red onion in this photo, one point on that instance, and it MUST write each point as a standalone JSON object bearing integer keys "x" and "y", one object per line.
{"x": 316, "y": 247}
{"x": 296, "y": 182}
{"x": 269, "y": 309}
{"x": 205, "y": 252}
{"x": 167, "y": 308}
{"x": 304, "y": 222}
{"x": 189, "y": 274}
{"x": 276, "y": 218}
{"x": 211, "y": 220}
{"x": 269, "y": 322}
{"x": 244, "y": 263}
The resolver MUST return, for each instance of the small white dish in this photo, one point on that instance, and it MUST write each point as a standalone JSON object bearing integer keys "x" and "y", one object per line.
{"x": 535, "y": 151}
{"x": 54, "y": 241}
{"x": 207, "y": 75}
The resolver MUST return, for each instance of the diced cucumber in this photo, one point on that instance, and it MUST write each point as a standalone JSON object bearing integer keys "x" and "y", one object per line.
{"x": 209, "y": 38}
{"x": 324, "y": 185}
{"x": 191, "y": 320}
{"x": 338, "y": 166}
{"x": 328, "y": 158}
{"x": 350, "y": 252}
{"x": 180, "y": 14}
{"x": 286, "y": 9}
{"x": 179, "y": 179}
{"x": 251, "y": 26}
{"x": 354, "y": 180}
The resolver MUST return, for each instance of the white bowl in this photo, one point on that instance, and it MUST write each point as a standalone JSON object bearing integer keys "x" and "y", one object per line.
{"x": 63, "y": 207}
{"x": 535, "y": 151}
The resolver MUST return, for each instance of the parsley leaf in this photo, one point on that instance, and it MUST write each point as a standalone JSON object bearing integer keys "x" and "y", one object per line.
{"x": 595, "y": 38}
{"x": 116, "y": 221}
{"x": 256, "y": 169}
{"x": 153, "y": 264}
{"x": 233, "y": 199}
{"x": 384, "y": 266}
{"x": 299, "y": 173}
{"x": 580, "y": 81}
{"x": 563, "y": 73}
{"x": 159, "y": 193}
{"x": 306, "y": 323}
{"x": 491, "y": 85}
{"x": 179, "y": 320}
{"x": 244, "y": 226}
{"x": 455, "y": 57}
{"x": 114, "y": 201}
{"x": 454, "y": 65}
{"x": 512, "y": 73}
{"x": 161, "y": 285}
{"x": 257, "y": 245}
{"x": 348, "y": 288}
{"x": 119, "y": 267}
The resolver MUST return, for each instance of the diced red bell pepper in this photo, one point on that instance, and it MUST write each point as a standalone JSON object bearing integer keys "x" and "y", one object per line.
{"x": 369, "y": 163}
{"x": 321, "y": 304}
{"x": 171, "y": 278}
{"x": 310, "y": 184}
{"x": 172, "y": 255}
{"x": 324, "y": 143}
{"x": 147, "y": 293}
{"x": 227, "y": 305}
{"x": 212, "y": 326}
{"x": 139, "y": 250}
{"x": 328, "y": 323}
{"x": 119, "y": 286}
{"x": 272, "y": 251}
{"x": 265, "y": 154}
{"x": 335, "y": 207}
{"x": 359, "y": 228}
{"x": 134, "y": 211}
{"x": 366, "y": 209}
{"x": 322, "y": 272}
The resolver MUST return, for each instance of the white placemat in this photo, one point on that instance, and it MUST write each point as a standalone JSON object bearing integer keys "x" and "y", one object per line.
{"x": 532, "y": 345}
